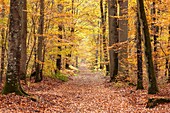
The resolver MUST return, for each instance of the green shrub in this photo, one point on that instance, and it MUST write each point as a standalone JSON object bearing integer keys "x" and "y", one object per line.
{"x": 61, "y": 77}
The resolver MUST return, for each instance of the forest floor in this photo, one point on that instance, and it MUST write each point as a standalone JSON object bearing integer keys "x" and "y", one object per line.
{"x": 89, "y": 92}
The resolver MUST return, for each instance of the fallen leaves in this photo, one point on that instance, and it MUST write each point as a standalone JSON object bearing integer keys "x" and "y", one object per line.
{"x": 86, "y": 93}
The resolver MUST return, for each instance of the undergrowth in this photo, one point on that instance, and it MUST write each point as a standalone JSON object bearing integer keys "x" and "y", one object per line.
{"x": 61, "y": 77}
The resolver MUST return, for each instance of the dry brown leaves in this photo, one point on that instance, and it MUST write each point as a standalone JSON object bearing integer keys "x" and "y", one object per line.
{"x": 86, "y": 93}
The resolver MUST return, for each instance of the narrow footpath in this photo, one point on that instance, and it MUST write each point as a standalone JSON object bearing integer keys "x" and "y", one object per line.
{"x": 87, "y": 93}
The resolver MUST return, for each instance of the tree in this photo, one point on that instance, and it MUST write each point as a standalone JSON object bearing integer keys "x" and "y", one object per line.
{"x": 155, "y": 31}
{"x": 169, "y": 62}
{"x": 38, "y": 77}
{"x": 139, "y": 54}
{"x": 3, "y": 44}
{"x": 153, "y": 88}
{"x": 60, "y": 29}
{"x": 123, "y": 35}
{"x": 113, "y": 38}
{"x": 103, "y": 9}
{"x": 12, "y": 84}
{"x": 23, "y": 41}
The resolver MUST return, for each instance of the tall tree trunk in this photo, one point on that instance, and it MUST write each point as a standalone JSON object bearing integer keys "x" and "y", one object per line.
{"x": 23, "y": 41}
{"x": 103, "y": 9}
{"x": 155, "y": 31}
{"x": 101, "y": 48}
{"x": 113, "y": 38}
{"x": 72, "y": 30}
{"x": 3, "y": 43}
{"x": 12, "y": 84}
{"x": 139, "y": 55}
{"x": 152, "y": 88}
{"x": 105, "y": 39}
{"x": 98, "y": 48}
{"x": 60, "y": 29}
{"x": 38, "y": 77}
{"x": 123, "y": 36}
{"x": 169, "y": 61}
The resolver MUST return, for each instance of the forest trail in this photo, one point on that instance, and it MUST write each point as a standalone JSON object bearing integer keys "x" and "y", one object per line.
{"x": 86, "y": 93}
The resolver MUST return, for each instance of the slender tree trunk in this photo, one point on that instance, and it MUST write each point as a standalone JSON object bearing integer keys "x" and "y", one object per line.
{"x": 103, "y": 9}
{"x": 113, "y": 38}
{"x": 23, "y": 41}
{"x": 152, "y": 88}
{"x": 169, "y": 61}
{"x": 12, "y": 84}
{"x": 38, "y": 77}
{"x": 101, "y": 49}
{"x": 60, "y": 29}
{"x": 105, "y": 41}
{"x": 155, "y": 32}
{"x": 139, "y": 55}
{"x": 98, "y": 49}
{"x": 123, "y": 36}
{"x": 3, "y": 43}
{"x": 72, "y": 30}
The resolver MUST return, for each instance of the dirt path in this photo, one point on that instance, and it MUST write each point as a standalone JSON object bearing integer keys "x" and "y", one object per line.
{"x": 86, "y": 93}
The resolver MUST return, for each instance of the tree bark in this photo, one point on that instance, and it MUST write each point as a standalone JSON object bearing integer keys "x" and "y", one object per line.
{"x": 60, "y": 29}
{"x": 123, "y": 36}
{"x": 103, "y": 10}
{"x": 113, "y": 38}
{"x": 169, "y": 61}
{"x": 139, "y": 55}
{"x": 38, "y": 77}
{"x": 155, "y": 31}
{"x": 3, "y": 43}
{"x": 12, "y": 84}
{"x": 23, "y": 41}
{"x": 152, "y": 88}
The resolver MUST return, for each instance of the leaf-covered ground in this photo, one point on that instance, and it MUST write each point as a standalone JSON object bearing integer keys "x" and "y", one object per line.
{"x": 87, "y": 93}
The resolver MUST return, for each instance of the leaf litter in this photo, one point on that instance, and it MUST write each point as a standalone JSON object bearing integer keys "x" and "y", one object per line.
{"x": 87, "y": 93}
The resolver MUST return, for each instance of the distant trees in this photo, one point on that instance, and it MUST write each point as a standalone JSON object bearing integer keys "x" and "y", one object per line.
{"x": 54, "y": 34}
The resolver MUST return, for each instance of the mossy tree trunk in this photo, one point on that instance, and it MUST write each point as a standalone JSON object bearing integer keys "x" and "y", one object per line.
{"x": 139, "y": 55}
{"x": 152, "y": 88}
{"x": 12, "y": 84}
{"x": 113, "y": 38}
{"x": 38, "y": 77}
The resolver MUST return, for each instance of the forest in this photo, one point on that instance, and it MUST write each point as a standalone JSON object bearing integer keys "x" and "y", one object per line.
{"x": 85, "y": 56}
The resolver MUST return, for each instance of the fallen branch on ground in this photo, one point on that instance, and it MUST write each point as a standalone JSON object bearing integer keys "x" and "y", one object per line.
{"x": 152, "y": 102}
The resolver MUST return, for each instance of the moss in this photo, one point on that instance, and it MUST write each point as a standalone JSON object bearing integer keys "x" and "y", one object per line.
{"x": 61, "y": 77}
{"x": 12, "y": 88}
